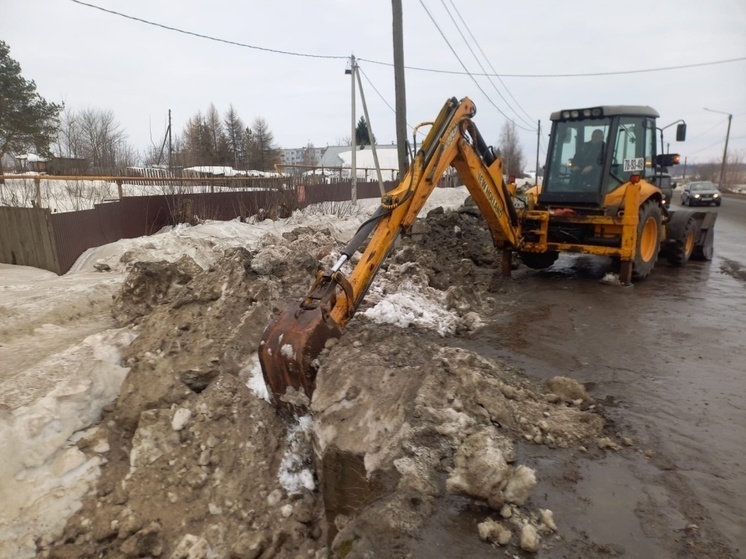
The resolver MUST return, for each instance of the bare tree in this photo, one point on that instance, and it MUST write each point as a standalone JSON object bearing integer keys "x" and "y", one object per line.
{"x": 234, "y": 127}
{"x": 219, "y": 145}
{"x": 709, "y": 171}
{"x": 248, "y": 147}
{"x": 68, "y": 142}
{"x": 126, "y": 155}
{"x": 263, "y": 154}
{"x": 510, "y": 150}
{"x": 101, "y": 137}
{"x": 95, "y": 135}
{"x": 199, "y": 148}
{"x": 205, "y": 140}
{"x": 736, "y": 170}
{"x": 178, "y": 155}
{"x": 153, "y": 155}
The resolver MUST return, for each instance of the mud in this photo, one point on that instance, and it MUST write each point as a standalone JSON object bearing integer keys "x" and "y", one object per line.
{"x": 424, "y": 439}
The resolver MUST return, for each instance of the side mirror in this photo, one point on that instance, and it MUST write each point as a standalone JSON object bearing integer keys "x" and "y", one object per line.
{"x": 681, "y": 132}
{"x": 667, "y": 159}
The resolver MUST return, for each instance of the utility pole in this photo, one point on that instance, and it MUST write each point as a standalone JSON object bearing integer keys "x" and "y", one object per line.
{"x": 163, "y": 144}
{"x": 170, "y": 145}
{"x": 353, "y": 174}
{"x": 723, "y": 182}
{"x": 538, "y": 142}
{"x": 400, "y": 90}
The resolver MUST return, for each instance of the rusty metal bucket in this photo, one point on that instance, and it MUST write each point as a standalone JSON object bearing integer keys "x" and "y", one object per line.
{"x": 287, "y": 354}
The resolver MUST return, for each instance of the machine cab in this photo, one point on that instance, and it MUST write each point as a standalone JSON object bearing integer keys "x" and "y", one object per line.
{"x": 594, "y": 151}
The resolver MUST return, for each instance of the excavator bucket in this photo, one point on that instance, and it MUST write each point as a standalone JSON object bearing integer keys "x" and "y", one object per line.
{"x": 288, "y": 351}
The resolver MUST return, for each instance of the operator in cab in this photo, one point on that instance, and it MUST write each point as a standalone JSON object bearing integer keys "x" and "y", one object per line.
{"x": 589, "y": 159}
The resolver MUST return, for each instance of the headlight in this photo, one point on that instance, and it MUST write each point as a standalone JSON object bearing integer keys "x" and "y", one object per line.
{"x": 696, "y": 195}
{"x": 716, "y": 195}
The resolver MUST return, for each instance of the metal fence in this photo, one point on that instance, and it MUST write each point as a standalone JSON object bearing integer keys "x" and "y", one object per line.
{"x": 35, "y": 236}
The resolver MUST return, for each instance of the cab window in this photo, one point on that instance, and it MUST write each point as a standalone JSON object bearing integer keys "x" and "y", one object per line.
{"x": 570, "y": 139}
{"x": 633, "y": 151}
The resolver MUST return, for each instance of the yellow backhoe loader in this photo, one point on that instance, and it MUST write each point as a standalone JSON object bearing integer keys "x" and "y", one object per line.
{"x": 597, "y": 197}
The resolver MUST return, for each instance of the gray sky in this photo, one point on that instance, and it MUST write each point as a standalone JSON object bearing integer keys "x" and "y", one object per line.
{"x": 89, "y": 58}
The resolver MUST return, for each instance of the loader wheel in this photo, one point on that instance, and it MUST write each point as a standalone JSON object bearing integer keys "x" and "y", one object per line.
{"x": 682, "y": 248}
{"x": 538, "y": 260}
{"x": 705, "y": 250}
{"x": 648, "y": 240}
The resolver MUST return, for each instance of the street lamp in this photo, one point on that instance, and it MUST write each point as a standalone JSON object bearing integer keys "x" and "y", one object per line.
{"x": 725, "y": 151}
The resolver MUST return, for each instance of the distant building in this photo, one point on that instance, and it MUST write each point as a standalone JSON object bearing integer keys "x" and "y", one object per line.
{"x": 30, "y": 162}
{"x": 297, "y": 156}
{"x": 206, "y": 171}
{"x": 387, "y": 156}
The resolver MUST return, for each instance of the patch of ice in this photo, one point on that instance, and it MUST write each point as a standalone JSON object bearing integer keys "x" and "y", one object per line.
{"x": 611, "y": 279}
{"x": 294, "y": 475}
{"x": 256, "y": 378}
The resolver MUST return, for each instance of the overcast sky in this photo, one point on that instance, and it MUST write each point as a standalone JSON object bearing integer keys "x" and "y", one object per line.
{"x": 88, "y": 58}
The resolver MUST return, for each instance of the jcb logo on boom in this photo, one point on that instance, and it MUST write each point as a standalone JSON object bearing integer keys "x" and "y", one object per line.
{"x": 487, "y": 192}
{"x": 451, "y": 137}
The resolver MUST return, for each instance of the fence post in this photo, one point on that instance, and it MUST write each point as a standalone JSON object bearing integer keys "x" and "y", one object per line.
{"x": 119, "y": 188}
{"x": 37, "y": 185}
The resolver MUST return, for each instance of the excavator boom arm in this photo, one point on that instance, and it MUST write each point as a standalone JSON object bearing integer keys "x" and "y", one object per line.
{"x": 291, "y": 343}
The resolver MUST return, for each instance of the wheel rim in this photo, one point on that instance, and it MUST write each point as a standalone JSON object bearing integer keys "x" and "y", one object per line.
{"x": 689, "y": 243}
{"x": 648, "y": 240}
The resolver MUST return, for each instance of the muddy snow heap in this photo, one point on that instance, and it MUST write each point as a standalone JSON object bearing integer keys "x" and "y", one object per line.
{"x": 404, "y": 424}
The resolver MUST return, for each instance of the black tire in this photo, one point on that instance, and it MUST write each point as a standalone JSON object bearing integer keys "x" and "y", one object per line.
{"x": 680, "y": 250}
{"x": 538, "y": 260}
{"x": 706, "y": 249}
{"x": 648, "y": 240}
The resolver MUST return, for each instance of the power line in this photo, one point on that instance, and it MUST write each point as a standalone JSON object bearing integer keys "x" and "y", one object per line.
{"x": 465, "y": 69}
{"x": 579, "y": 75}
{"x": 706, "y": 147}
{"x": 208, "y": 37}
{"x": 709, "y": 129}
{"x": 476, "y": 58}
{"x": 393, "y": 110}
{"x": 488, "y": 62}
{"x": 417, "y": 68}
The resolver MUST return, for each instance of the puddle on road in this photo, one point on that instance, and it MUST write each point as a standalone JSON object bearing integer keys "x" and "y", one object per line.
{"x": 599, "y": 500}
{"x": 667, "y": 353}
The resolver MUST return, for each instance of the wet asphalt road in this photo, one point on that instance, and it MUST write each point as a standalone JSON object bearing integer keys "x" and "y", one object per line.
{"x": 666, "y": 358}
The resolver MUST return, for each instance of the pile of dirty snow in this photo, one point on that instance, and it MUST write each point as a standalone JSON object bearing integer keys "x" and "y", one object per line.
{"x": 189, "y": 459}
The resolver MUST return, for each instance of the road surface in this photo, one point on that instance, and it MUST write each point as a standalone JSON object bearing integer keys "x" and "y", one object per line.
{"x": 666, "y": 359}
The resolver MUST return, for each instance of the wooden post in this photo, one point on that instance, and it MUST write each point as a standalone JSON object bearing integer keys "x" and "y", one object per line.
{"x": 400, "y": 88}
{"x": 37, "y": 185}
{"x": 119, "y": 188}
